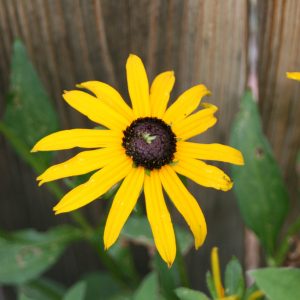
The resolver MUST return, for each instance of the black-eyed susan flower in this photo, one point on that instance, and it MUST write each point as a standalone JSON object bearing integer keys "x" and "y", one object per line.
{"x": 144, "y": 147}
{"x": 293, "y": 75}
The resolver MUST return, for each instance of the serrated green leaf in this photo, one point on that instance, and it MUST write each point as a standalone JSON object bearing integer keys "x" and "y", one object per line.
{"x": 260, "y": 190}
{"x": 40, "y": 289}
{"x": 26, "y": 254}
{"x": 29, "y": 114}
{"x": 188, "y": 294}
{"x": 76, "y": 292}
{"x": 138, "y": 230}
{"x": 278, "y": 283}
{"x": 234, "y": 278}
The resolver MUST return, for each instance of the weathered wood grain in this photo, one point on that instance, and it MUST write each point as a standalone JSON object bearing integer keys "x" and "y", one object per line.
{"x": 279, "y": 53}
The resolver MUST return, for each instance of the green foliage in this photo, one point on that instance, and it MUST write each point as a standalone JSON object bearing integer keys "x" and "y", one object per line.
{"x": 249, "y": 291}
{"x": 40, "y": 289}
{"x": 188, "y": 294}
{"x": 137, "y": 229}
{"x": 100, "y": 285}
{"x": 124, "y": 259}
{"x": 234, "y": 278}
{"x": 278, "y": 283}
{"x": 261, "y": 193}
{"x": 26, "y": 254}
{"x": 29, "y": 114}
{"x": 167, "y": 278}
{"x": 148, "y": 288}
{"x": 210, "y": 285}
{"x": 76, "y": 292}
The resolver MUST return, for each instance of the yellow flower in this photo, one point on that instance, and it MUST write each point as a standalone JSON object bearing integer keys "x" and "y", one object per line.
{"x": 293, "y": 75}
{"x": 145, "y": 146}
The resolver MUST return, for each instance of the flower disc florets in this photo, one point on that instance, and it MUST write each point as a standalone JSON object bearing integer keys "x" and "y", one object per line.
{"x": 150, "y": 142}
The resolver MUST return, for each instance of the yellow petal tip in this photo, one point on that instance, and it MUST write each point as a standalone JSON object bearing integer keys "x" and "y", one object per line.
{"x": 229, "y": 186}
{"x": 41, "y": 182}
{"x": 293, "y": 75}
{"x": 57, "y": 210}
{"x": 107, "y": 245}
{"x": 34, "y": 149}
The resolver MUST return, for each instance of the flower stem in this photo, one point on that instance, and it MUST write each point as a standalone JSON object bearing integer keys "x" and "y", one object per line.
{"x": 90, "y": 233}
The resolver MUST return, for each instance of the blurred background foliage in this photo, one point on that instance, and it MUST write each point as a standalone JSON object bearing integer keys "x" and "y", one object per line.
{"x": 66, "y": 42}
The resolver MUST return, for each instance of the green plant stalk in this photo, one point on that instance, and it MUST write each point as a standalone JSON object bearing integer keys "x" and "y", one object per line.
{"x": 90, "y": 233}
{"x": 88, "y": 230}
{"x": 285, "y": 245}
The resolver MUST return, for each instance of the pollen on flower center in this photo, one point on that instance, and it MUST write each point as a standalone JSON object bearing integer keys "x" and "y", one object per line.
{"x": 150, "y": 142}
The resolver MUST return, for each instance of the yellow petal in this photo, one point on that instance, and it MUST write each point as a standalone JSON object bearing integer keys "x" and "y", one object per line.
{"x": 123, "y": 204}
{"x": 203, "y": 174}
{"x": 160, "y": 93}
{"x": 96, "y": 186}
{"x": 95, "y": 110}
{"x": 216, "y": 273}
{"x": 138, "y": 86}
{"x": 256, "y": 295}
{"x": 82, "y": 163}
{"x": 110, "y": 96}
{"x": 84, "y": 138}
{"x": 196, "y": 123}
{"x": 216, "y": 152}
{"x": 159, "y": 218}
{"x": 293, "y": 75}
{"x": 185, "y": 104}
{"x": 185, "y": 203}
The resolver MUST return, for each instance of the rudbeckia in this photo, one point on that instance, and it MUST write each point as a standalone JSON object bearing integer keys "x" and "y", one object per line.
{"x": 293, "y": 75}
{"x": 144, "y": 147}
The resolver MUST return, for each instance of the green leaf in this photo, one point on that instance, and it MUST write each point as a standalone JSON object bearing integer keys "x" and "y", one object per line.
{"x": 29, "y": 114}
{"x": 76, "y": 292}
{"x": 40, "y": 289}
{"x": 188, "y": 294}
{"x": 138, "y": 230}
{"x": 149, "y": 288}
{"x": 278, "y": 283}
{"x": 249, "y": 292}
{"x": 123, "y": 256}
{"x": 260, "y": 190}
{"x": 100, "y": 285}
{"x": 234, "y": 278}
{"x": 28, "y": 253}
{"x": 210, "y": 285}
{"x": 167, "y": 277}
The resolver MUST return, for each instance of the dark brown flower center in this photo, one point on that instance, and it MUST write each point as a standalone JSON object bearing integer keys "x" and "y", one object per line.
{"x": 150, "y": 142}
